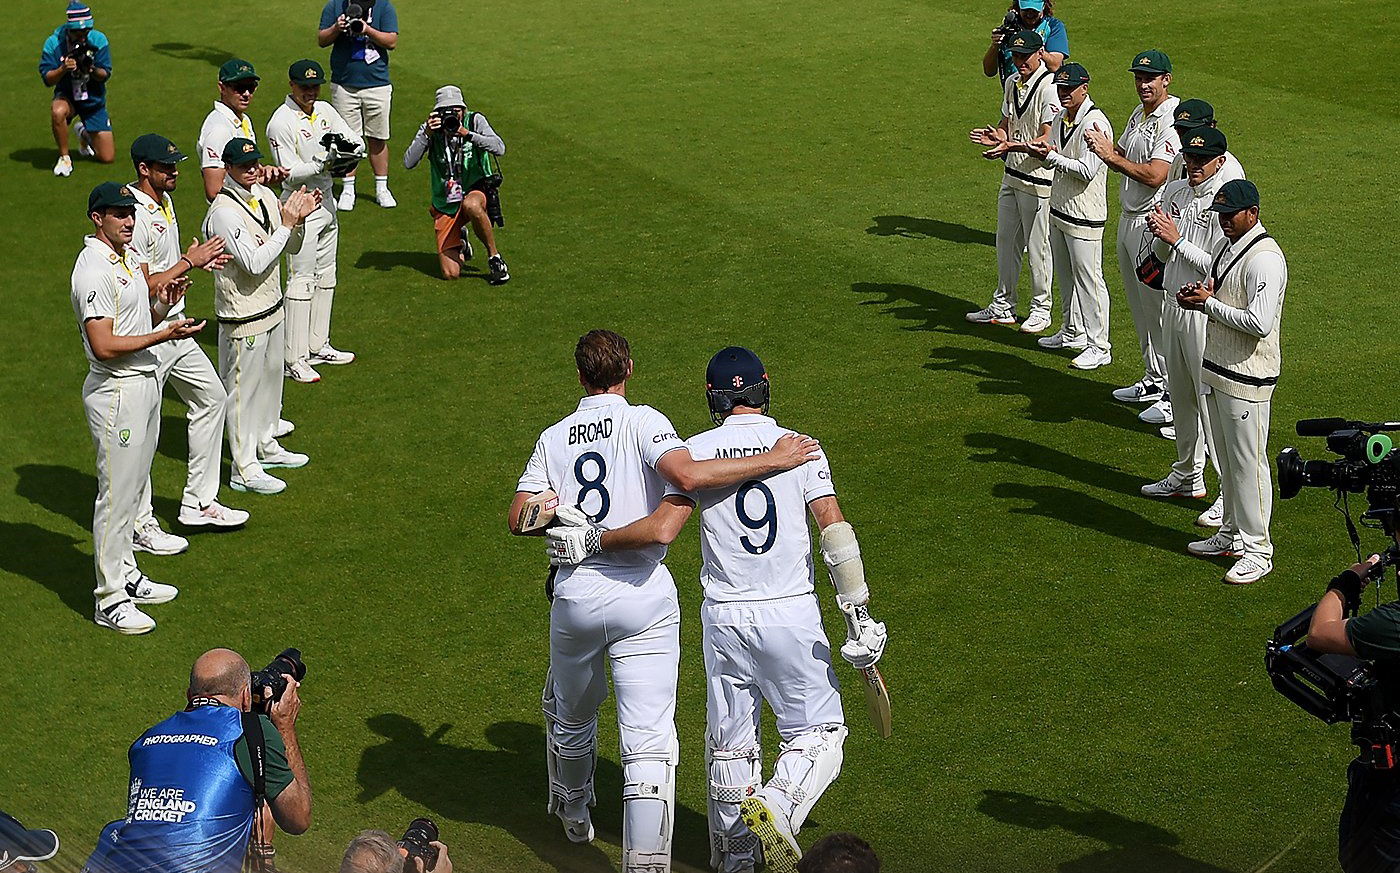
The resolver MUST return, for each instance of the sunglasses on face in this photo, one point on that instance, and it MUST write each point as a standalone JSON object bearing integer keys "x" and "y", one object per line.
{"x": 241, "y": 87}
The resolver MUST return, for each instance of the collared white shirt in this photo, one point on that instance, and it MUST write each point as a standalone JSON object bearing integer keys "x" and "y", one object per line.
{"x": 295, "y": 139}
{"x": 1147, "y": 138}
{"x": 155, "y": 239}
{"x": 221, "y": 125}
{"x": 1265, "y": 280}
{"x": 108, "y": 285}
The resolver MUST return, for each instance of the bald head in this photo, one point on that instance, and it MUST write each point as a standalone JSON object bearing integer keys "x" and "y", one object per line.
{"x": 219, "y": 673}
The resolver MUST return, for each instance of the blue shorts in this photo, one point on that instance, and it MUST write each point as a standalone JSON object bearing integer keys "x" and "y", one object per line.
{"x": 92, "y": 112}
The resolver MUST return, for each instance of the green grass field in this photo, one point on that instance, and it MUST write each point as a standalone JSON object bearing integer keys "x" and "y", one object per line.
{"x": 1073, "y": 692}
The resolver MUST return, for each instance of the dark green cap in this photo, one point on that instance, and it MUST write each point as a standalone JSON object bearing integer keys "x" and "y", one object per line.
{"x": 1235, "y": 195}
{"x": 1027, "y": 42}
{"x": 110, "y": 194}
{"x": 1071, "y": 76}
{"x": 1151, "y": 61}
{"x": 1192, "y": 114}
{"x": 307, "y": 72}
{"x": 155, "y": 149}
{"x": 1208, "y": 142}
{"x": 241, "y": 151}
{"x": 237, "y": 70}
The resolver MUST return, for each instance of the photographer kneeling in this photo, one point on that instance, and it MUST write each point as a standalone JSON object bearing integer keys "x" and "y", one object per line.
{"x": 464, "y": 177}
{"x": 376, "y": 852}
{"x": 196, "y": 792}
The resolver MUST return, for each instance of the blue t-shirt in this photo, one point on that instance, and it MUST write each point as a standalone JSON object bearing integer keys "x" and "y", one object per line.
{"x": 1051, "y": 29}
{"x": 51, "y": 58}
{"x": 349, "y": 64}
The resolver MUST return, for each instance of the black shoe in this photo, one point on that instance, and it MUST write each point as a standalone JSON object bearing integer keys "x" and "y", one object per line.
{"x": 499, "y": 274}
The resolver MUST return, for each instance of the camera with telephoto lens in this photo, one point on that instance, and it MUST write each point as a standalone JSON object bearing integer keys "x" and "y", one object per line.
{"x": 80, "y": 50}
{"x": 356, "y": 15}
{"x": 451, "y": 120}
{"x": 269, "y": 683}
{"x": 1011, "y": 24}
{"x": 1368, "y": 463}
{"x": 418, "y": 842}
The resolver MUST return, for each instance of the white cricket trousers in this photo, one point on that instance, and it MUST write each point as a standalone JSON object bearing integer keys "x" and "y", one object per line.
{"x": 123, "y": 414}
{"x": 1083, "y": 291}
{"x": 634, "y": 626}
{"x": 773, "y": 650}
{"x": 1183, "y": 347}
{"x": 183, "y": 363}
{"x": 251, "y": 368}
{"x": 311, "y": 284}
{"x": 1144, "y": 303}
{"x": 1023, "y": 226}
{"x": 1241, "y": 439}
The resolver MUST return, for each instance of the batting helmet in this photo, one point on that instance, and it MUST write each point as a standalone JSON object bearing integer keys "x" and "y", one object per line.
{"x": 735, "y": 377}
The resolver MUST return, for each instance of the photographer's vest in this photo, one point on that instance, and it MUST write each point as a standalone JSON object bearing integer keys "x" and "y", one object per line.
{"x": 1024, "y": 107}
{"x": 1079, "y": 208}
{"x": 189, "y": 808}
{"x": 249, "y": 303}
{"x": 1240, "y": 364}
{"x": 477, "y": 165}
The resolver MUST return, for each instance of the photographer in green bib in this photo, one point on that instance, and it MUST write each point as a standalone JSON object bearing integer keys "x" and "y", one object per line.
{"x": 464, "y": 179}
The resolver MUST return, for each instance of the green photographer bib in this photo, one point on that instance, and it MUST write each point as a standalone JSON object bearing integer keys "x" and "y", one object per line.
{"x": 477, "y": 165}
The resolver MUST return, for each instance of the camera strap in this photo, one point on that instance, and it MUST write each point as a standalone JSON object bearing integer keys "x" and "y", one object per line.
{"x": 257, "y": 755}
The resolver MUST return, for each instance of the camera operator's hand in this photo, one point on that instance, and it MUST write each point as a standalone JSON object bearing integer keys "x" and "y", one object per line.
{"x": 342, "y": 24}
{"x": 998, "y": 37}
{"x": 70, "y": 64}
{"x": 444, "y": 863}
{"x": 283, "y": 713}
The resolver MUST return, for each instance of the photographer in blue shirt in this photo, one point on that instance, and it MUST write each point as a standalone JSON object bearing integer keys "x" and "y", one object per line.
{"x": 191, "y": 804}
{"x": 1037, "y": 15}
{"x": 77, "y": 62}
{"x": 362, "y": 33}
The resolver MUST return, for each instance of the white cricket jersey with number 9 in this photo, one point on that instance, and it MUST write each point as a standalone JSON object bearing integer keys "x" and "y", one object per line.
{"x": 754, "y": 540}
{"x": 602, "y": 459}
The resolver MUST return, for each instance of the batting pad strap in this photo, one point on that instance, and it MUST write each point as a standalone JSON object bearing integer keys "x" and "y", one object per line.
{"x": 841, "y": 552}
{"x": 743, "y": 844}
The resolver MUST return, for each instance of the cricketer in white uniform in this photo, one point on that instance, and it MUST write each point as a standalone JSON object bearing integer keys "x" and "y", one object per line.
{"x": 298, "y": 134}
{"x": 229, "y": 119}
{"x": 248, "y": 303}
{"x": 122, "y": 398}
{"x": 155, "y": 242}
{"x": 1078, "y": 213}
{"x": 1190, "y": 115}
{"x": 762, "y": 627}
{"x": 1243, "y": 300}
{"x": 609, "y": 462}
{"x": 1023, "y": 202}
{"x": 1185, "y": 234}
{"x": 1143, "y": 155}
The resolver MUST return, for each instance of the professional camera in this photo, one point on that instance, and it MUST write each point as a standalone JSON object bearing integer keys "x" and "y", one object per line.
{"x": 1011, "y": 24}
{"x": 1368, "y": 463}
{"x": 418, "y": 842}
{"x": 80, "y": 50}
{"x": 342, "y": 156}
{"x": 356, "y": 13}
{"x": 268, "y": 683}
{"x": 451, "y": 120}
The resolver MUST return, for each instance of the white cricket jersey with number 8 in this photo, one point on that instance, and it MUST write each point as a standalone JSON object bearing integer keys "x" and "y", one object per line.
{"x": 754, "y": 540}
{"x": 602, "y": 458}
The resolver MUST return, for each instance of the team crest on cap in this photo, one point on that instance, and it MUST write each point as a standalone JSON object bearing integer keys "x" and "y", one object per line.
{"x": 311, "y": 74}
{"x": 170, "y": 149}
{"x": 1142, "y": 61}
{"x": 126, "y": 192}
{"x": 1197, "y": 141}
{"x": 248, "y": 147}
{"x": 1019, "y": 41}
{"x": 1183, "y": 116}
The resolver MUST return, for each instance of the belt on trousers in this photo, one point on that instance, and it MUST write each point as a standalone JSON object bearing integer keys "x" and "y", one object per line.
{"x": 261, "y": 315}
{"x": 1082, "y": 222}
{"x": 1255, "y": 381}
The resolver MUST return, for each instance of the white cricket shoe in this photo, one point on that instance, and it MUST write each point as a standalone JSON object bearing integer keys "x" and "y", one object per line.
{"x": 580, "y": 831}
{"x": 988, "y": 315}
{"x": 283, "y": 428}
{"x": 1035, "y": 323}
{"x": 284, "y": 459}
{"x": 1220, "y": 545}
{"x": 780, "y": 850}
{"x": 148, "y": 591}
{"x": 124, "y": 618}
{"x": 1167, "y": 432}
{"x": 1091, "y": 359}
{"x": 213, "y": 515}
{"x": 346, "y": 201}
{"x": 1158, "y": 413}
{"x": 64, "y": 167}
{"x": 385, "y": 199}
{"x": 1061, "y": 340}
{"x": 1213, "y": 517}
{"x": 1175, "y": 486}
{"x": 301, "y": 371}
{"x": 149, "y": 537}
{"x": 262, "y": 483}
{"x": 1248, "y": 569}
{"x": 329, "y": 354}
{"x": 1140, "y": 391}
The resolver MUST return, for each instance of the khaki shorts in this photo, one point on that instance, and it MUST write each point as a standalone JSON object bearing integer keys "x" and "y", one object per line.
{"x": 366, "y": 110}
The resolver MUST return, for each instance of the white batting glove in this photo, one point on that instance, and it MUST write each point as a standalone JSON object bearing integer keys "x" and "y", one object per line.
{"x": 573, "y": 538}
{"x": 865, "y": 637}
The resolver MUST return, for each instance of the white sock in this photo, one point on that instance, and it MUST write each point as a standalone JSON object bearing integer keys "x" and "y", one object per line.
{"x": 381, "y": 183}
{"x": 347, "y": 184}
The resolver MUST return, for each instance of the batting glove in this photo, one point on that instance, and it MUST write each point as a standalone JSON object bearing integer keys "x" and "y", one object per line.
{"x": 573, "y": 538}
{"x": 865, "y": 637}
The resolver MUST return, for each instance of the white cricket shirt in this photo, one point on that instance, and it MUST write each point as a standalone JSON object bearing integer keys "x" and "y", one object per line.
{"x": 155, "y": 239}
{"x": 295, "y": 138}
{"x": 221, "y": 125}
{"x": 755, "y": 543}
{"x": 108, "y": 285}
{"x": 602, "y": 458}
{"x": 1027, "y": 106}
{"x": 1147, "y": 138}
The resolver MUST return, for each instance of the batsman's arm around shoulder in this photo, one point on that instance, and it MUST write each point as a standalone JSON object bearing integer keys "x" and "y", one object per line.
{"x": 683, "y": 471}
{"x": 661, "y": 527}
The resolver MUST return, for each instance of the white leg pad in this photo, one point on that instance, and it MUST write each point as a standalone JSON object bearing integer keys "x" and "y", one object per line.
{"x": 648, "y": 809}
{"x": 571, "y": 754}
{"x": 806, "y": 767}
{"x": 734, "y": 775}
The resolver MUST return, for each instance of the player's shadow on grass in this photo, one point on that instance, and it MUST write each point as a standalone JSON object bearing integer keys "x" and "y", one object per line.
{"x": 941, "y": 313}
{"x": 70, "y": 493}
{"x": 999, "y": 449}
{"x": 423, "y": 262}
{"x": 925, "y": 228}
{"x": 1090, "y": 513}
{"x": 503, "y": 786}
{"x": 54, "y": 560}
{"x": 1132, "y": 845}
{"x": 183, "y": 51}
{"x": 38, "y": 158}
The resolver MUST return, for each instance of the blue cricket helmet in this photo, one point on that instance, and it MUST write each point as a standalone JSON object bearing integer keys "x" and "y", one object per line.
{"x": 735, "y": 377}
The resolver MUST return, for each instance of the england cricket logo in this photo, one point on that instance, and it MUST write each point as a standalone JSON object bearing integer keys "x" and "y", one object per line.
{"x": 131, "y": 799}
{"x": 738, "y": 381}
{"x": 124, "y": 435}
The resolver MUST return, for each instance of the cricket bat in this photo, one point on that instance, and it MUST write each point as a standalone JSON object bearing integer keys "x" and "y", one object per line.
{"x": 537, "y": 511}
{"x": 877, "y": 701}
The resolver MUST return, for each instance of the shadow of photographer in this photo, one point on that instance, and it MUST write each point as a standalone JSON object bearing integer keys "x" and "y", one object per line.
{"x": 910, "y": 227}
